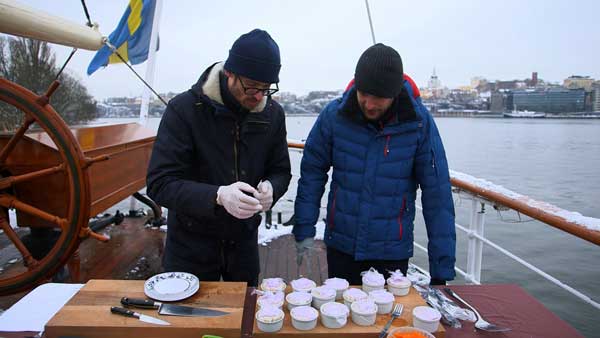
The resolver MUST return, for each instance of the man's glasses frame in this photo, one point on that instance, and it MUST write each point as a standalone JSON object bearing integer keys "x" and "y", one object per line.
{"x": 253, "y": 90}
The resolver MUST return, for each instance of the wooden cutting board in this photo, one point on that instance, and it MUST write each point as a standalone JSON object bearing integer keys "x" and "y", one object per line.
{"x": 410, "y": 301}
{"x": 88, "y": 314}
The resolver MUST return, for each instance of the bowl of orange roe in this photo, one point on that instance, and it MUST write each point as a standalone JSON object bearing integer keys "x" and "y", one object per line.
{"x": 409, "y": 332}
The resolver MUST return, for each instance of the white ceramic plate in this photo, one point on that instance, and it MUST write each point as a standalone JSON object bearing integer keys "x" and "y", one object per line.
{"x": 171, "y": 286}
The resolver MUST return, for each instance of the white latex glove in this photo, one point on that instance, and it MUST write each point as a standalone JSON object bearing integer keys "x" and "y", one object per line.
{"x": 265, "y": 195}
{"x": 236, "y": 202}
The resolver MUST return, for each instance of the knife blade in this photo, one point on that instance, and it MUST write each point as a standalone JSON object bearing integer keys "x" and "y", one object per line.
{"x": 142, "y": 317}
{"x": 171, "y": 309}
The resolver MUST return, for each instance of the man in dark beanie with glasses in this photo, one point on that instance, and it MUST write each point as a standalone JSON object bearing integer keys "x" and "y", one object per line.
{"x": 219, "y": 159}
{"x": 382, "y": 144}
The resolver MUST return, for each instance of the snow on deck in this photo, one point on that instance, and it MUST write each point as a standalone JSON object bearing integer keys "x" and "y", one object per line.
{"x": 267, "y": 235}
{"x": 570, "y": 216}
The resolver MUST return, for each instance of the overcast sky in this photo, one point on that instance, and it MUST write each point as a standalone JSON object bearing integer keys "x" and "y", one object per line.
{"x": 320, "y": 40}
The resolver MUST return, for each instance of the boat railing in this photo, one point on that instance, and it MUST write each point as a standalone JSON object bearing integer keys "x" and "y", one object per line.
{"x": 482, "y": 193}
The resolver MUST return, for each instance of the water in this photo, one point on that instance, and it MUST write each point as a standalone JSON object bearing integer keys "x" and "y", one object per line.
{"x": 555, "y": 161}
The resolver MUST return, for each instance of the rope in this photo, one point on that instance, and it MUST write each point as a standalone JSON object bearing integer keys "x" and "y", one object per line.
{"x": 65, "y": 64}
{"x": 114, "y": 50}
{"x": 87, "y": 14}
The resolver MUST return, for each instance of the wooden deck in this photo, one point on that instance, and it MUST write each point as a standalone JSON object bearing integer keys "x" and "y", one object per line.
{"x": 134, "y": 252}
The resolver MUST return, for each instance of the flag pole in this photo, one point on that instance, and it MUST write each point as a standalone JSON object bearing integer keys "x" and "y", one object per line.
{"x": 150, "y": 63}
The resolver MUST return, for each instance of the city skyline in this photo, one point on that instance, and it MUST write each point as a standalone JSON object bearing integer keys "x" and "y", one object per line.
{"x": 461, "y": 40}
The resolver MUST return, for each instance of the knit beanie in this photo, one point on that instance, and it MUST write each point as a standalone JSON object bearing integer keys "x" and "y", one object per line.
{"x": 255, "y": 55}
{"x": 379, "y": 72}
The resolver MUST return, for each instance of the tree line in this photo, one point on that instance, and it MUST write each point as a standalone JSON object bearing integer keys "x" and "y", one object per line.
{"x": 32, "y": 64}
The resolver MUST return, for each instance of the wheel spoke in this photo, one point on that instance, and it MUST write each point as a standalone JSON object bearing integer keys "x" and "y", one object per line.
{"x": 9, "y": 201}
{"x": 30, "y": 262}
{"x": 14, "y": 139}
{"x": 12, "y": 180}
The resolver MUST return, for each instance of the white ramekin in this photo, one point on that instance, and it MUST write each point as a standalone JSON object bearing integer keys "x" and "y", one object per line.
{"x": 338, "y": 284}
{"x": 372, "y": 280}
{"x": 273, "y": 323}
{"x": 399, "y": 286}
{"x": 353, "y": 295}
{"x": 334, "y": 315}
{"x": 384, "y": 301}
{"x": 298, "y": 298}
{"x": 364, "y": 312}
{"x": 306, "y": 321}
{"x": 275, "y": 299}
{"x": 426, "y": 318}
{"x": 322, "y": 295}
{"x": 273, "y": 284}
{"x": 303, "y": 284}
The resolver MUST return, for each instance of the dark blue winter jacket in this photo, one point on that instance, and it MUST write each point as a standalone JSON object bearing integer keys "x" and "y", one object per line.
{"x": 376, "y": 172}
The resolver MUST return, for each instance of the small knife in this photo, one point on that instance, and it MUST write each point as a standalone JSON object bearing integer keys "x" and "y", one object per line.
{"x": 171, "y": 309}
{"x": 144, "y": 318}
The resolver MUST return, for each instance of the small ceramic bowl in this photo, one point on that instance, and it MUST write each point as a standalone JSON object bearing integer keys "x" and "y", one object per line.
{"x": 304, "y": 318}
{"x": 426, "y": 318}
{"x": 407, "y": 329}
{"x": 339, "y": 285}
{"x": 334, "y": 315}
{"x": 303, "y": 284}
{"x": 298, "y": 298}
{"x": 273, "y": 284}
{"x": 384, "y": 301}
{"x": 269, "y": 319}
{"x": 275, "y": 299}
{"x": 399, "y": 286}
{"x": 364, "y": 312}
{"x": 352, "y": 295}
{"x": 372, "y": 280}
{"x": 322, "y": 295}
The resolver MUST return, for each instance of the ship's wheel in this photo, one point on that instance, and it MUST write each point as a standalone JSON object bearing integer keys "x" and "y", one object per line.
{"x": 72, "y": 166}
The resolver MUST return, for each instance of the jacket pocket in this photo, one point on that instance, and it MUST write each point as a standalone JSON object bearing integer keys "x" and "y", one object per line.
{"x": 400, "y": 216}
{"x": 332, "y": 209}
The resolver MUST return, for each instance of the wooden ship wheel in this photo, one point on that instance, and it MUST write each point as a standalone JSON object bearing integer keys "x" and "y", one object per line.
{"x": 22, "y": 180}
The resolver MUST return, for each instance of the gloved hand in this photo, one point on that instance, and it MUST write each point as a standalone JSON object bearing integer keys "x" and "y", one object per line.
{"x": 264, "y": 195}
{"x": 303, "y": 246}
{"x": 236, "y": 202}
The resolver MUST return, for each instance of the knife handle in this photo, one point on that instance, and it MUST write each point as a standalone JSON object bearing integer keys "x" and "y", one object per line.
{"x": 123, "y": 312}
{"x": 139, "y": 303}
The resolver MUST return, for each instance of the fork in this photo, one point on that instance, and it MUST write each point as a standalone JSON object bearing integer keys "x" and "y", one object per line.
{"x": 481, "y": 323}
{"x": 395, "y": 314}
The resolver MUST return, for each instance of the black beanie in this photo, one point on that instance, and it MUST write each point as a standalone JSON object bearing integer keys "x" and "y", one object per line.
{"x": 379, "y": 72}
{"x": 255, "y": 55}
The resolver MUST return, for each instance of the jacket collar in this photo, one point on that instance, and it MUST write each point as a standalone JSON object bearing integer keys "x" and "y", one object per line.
{"x": 208, "y": 86}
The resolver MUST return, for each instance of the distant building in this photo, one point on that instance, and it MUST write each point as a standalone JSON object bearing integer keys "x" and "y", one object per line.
{"x": 549, "y": 100}
{"x": 578, "y": 82}
{"x": 596, "y": 96}
{"x": 499, "y": 101}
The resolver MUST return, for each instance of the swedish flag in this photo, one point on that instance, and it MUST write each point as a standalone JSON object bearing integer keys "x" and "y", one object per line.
{"x": 131, "y": 37}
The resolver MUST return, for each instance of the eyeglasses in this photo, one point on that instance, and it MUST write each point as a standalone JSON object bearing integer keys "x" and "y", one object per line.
{"x": 254, "y": 90}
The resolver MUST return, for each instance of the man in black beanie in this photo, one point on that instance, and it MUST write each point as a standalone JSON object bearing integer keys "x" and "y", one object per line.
{"x": 382, "y": 144}
{"x": 219, "y": 159}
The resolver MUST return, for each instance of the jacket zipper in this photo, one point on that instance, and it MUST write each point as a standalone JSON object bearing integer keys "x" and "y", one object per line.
{"x": 386, "y": 149}
{"x": 235, "y": 150}
{"x": 332, "y": 214}
{"x": 401, "y": 215}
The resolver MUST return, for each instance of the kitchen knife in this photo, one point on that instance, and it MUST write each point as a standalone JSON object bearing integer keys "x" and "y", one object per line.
{"x": 171, "y": 309}
{"x": 144, "y": 318}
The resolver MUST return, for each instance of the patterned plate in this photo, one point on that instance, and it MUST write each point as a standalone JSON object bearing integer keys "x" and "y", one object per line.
{"x": 171, "y": 286}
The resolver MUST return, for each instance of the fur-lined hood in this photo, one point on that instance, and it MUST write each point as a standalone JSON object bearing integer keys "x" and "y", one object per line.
{"x": 209, "y": 85}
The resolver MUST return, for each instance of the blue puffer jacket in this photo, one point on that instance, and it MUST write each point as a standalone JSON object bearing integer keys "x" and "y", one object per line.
{"x": 371, "y": 203}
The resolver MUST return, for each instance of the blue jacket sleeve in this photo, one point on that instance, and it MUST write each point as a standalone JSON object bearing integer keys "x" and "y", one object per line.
{"x": 171, "y": 160}
{"x": 316, "y": 161}
{"x": 431, "y": 172}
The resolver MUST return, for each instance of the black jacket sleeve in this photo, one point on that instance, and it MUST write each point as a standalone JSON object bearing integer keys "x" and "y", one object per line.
{"x": 170, "y": 163}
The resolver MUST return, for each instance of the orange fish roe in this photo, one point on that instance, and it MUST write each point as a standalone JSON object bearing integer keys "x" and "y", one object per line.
{"x": 413, "y": 334}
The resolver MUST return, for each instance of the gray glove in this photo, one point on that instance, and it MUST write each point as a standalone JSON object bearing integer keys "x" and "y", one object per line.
{"x": 304, "y": 246}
